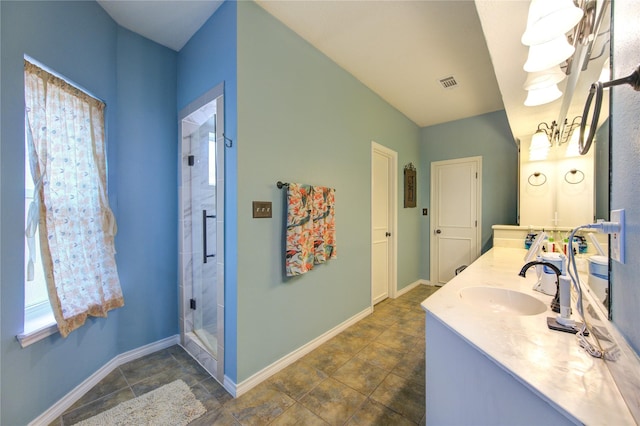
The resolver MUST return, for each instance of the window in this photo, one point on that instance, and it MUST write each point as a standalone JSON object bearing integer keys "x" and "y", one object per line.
{"x": 67, "y": 210}
{"x": 37, "y": 309}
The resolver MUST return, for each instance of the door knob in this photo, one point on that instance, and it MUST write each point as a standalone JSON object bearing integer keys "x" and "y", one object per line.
{"x": 438, "y": 231}
{"x": 387, "y": 234}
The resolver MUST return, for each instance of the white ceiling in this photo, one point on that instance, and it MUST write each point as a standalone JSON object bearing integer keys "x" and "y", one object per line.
{"x": 170, "y": 23}
{"x": 399, "y": 49}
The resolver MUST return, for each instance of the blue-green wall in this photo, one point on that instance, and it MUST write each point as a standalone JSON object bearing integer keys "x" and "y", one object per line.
{"x": 488, "y": 136}
{"x": 136, "y": 78}
{"x": 301, "y": 118}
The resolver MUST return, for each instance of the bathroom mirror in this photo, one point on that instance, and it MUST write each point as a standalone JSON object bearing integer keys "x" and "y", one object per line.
{"x": 559, "y": 187}
{"x": 562, "y": 190}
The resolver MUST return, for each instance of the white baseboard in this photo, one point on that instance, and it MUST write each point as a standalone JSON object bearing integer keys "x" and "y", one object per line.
{"x": 57, "y": 409}
{"x": 292, "y": 357}
{"x": 412, "y": 286}
{"x": 408, "y": 288}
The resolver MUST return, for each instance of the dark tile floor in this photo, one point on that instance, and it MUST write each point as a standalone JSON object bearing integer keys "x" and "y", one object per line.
{"x": 373, "y": 373}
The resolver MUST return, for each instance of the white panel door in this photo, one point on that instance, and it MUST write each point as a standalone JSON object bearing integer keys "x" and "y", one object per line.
{"x": 455, "y": 223}
{"x": 382, "y": 223}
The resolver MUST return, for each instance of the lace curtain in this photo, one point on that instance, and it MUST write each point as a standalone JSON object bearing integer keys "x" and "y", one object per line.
{"x": 65, "y": 136}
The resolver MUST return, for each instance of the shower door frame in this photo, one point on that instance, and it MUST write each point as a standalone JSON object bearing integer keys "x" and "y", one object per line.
{"x": 186, "y": 259}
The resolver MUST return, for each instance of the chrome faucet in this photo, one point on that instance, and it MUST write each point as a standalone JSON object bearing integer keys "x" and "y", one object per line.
{"x": 555, "y": 303}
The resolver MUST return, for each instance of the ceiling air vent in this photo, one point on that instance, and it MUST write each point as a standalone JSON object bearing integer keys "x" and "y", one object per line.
{"x": 449, "y": 82}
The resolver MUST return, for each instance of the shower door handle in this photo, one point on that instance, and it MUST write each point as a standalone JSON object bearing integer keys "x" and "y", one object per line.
{"x": 205, "y": 216}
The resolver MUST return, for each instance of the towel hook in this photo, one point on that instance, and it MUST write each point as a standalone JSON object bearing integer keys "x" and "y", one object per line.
{"x": 535, "y": 175}
{"x": 227, "y": 139}
{"x": 574, "y": 173}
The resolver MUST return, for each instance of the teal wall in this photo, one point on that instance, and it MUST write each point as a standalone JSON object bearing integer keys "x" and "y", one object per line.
{"x": 625, "y": 154}
{"x": 207, "y": 60}
{"x": 136, "y": 78}
{"x": 301, "y": 118}
{"x": 488, "y": 136}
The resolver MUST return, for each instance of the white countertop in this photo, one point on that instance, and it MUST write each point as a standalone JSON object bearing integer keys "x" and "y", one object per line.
{"x": 548, "y": 362}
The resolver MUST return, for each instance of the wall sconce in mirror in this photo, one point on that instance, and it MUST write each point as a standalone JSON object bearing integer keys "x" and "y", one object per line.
{"x": 547, "y": 136}
{"x": 410, "y": 183}
{"x": 540, "y": 145}
{"x": 596, "y": 92}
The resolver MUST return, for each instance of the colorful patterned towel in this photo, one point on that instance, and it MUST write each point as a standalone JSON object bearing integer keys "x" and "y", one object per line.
{"x": 324, "y": 224}
{"x": 310, "y": 227}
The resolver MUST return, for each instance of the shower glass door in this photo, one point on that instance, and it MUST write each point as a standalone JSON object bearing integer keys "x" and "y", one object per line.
{"x": 201, "y": 126}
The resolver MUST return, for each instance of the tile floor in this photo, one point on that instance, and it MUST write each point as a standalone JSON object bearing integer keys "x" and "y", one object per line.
{"x": 373, "y": 373}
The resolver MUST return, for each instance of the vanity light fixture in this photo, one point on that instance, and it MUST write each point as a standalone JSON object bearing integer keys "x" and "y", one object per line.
{"x": 545, "y": 55}
{"x": 556, "y": 134}
{"x": 561, "y": 32}
{"x": 542, "y": 96}
{"x": 549, "y": 19}
{"x": 544, "y": 78}
{"x": 547, "y": 25}
{"x": 542, "y": 86}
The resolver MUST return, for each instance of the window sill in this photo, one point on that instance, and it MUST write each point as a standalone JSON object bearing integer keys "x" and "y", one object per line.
{"x": 32, "y": 337}
{"x": 39, "y": 324}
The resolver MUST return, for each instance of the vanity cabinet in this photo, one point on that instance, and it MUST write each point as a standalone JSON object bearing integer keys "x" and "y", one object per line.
{"x": 465, "y": 387}
{"x": 485, "y": 366}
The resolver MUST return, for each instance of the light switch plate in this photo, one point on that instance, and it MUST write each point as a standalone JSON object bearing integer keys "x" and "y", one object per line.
{"x": 617, "y": 238}
{"x": 262, "y": 209}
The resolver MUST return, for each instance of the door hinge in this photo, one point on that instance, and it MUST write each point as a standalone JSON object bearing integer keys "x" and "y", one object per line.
{"x": 476, "y": 175}
{"x": 476, "y": 223}
{"x": 191, "y": 160}
{"x": 192, "y": 304}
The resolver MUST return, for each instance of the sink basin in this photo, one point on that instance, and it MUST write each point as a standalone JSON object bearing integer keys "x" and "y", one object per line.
{"x": 502, "y": 301}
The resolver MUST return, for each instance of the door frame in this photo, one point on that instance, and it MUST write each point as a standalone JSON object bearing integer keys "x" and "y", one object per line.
{"x": 214, "y": 365}
{"x": 433, "y": 264}
{"x": 393, "y": 215}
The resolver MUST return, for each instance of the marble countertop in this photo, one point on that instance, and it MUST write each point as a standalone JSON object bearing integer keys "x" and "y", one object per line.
{"x": 548, "y": 362}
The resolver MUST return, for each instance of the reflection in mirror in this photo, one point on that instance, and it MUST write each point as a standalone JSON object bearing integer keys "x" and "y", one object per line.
{"x": 557, "y": 191}
{"x": 598, "y": 281}
{"x": 560, "y": 189}
{"x": 601, "y": 149}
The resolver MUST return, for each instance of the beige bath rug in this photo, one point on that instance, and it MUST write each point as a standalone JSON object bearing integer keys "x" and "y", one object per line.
{"x": 170, "y": 405}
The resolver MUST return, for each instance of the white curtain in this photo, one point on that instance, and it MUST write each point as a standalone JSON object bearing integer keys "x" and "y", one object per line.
{"x": 76, "y": 226}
